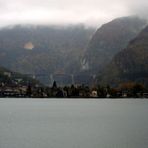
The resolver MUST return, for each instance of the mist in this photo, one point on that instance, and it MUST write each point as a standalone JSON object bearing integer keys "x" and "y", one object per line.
{"x": 61, "y": 12}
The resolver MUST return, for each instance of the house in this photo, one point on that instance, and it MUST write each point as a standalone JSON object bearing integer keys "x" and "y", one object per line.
{"x": 94, "y": 94}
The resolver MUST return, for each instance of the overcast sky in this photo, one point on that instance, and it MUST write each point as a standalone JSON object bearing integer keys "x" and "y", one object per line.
{"x": 91, "y": 12}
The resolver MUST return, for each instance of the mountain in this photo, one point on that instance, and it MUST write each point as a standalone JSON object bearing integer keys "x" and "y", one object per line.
{"x": 130, "y": 64}
{"x": 43, "y": 50}
{"x": 109, "y": 40}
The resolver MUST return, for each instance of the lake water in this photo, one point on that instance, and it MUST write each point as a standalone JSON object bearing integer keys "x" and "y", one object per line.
{"x": 61, "y": 123}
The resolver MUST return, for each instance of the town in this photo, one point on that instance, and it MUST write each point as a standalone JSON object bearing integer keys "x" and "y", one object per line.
{"x": 125, "y": 90}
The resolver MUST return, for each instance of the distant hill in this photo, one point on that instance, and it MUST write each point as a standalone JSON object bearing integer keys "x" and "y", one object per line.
{"x": 130, "y": 64}
{"x": 43, "y": 50}
{"x": 10, "y": 78}
{"x": 109, "y": 40}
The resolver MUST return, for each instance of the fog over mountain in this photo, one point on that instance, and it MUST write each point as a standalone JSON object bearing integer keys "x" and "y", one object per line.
{"x": 55, "y": 37}
{"x": 89, "y": 12}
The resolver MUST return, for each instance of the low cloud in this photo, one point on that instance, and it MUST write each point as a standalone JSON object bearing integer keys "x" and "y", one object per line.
{"x": 91, "y": 12}
{"x": 138, "y": 8}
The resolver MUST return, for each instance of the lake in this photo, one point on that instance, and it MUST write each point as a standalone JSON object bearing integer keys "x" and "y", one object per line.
{"x": 73, "y": 123}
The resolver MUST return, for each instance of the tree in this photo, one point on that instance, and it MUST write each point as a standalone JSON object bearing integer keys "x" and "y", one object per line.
{"x": 29, "y": 91}
{"x": 54, "y": 86}
{"x": 137, "y": 88}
